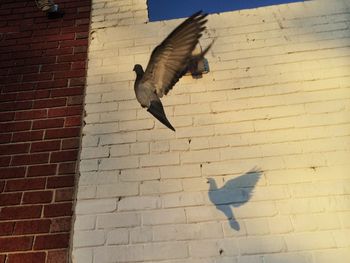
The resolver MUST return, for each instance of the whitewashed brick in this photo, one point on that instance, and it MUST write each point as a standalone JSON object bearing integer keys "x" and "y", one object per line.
{"x": 97, "y": 178}
{"x": 168, "y": 216}
{"x": 85, "y": 222}
{"x": 270, "y": 193}
{"x": 204, "y": 249}
{"x": 195, "y": 184}
{"x": 122, "y": 43}
{"x": 159, "y": 147}
{"x": 116, "y": 77}
{"x": 182, "y": 121}
{"x": 199, "y": 143}
{"x": 228, "y": 167}
{"x": 183, "y": 199}
{"x": 234, "y": 128}
{"x": 241, "y": 152}
{"x": 118, "y": 220}
{"x": 119, "y": 150}
{"x": 289, "y": 258}
{"x": 165, "y": 251}
{"x": 194, "y": 132}
{"x": 89, "y": 238}
{"x": 150, "y": 135}
{"x": 331, "y": 254}
{"x": 92, "y": 118}
{"x": 299, "y": 206}
{"x": 255, "y": 209}
{"x": 144, "y": 174}
{"x": 250, "y": 259}
{"x": 280, "y": 225}
{"x": 90, "y": 80}
{"x": 179, "y": 145}
{"x": 175, "y": 232}
{"x": 258, "y": 226}
{"x": 95, "y": 206}
{"x": 101, "y": 107}
{"x": 118, "y": 115}
{"x": 102, "y": 128}
{"x": 228, "y": 247}
{"x": 163, "y": 186}
{"x": 208, "y": 97}
{"x": 328, "y": 221}
{"x": 121, "y": 252}
{"x": 210, "y": 230}
{"x": 82, "y": 255}
{"x": 327, "y": 188}
{"x": 183, "y": 171}
{"x": 141, "y": 235}
{"x": 136, "y": 125}
{"x": 142, "y": 114}
{"x": 94, "y": 152}
{"x": 307, "y": 241}
{"x": 139, "y": 203}
{"x": 86, "y": 192}
{"x": 341, "y": 238}
{"x": 202, "y": 214}
{"x": 336, "y": 203}
{"x": 118, "y": 138}
{"x": 255, "y": 245}
{"x": 200, "y": 156}
{"x": 177, "y": 99}
{"x": 103, "y": 70}
{"x": 118, "y": 237}
{"x": 119, "y": 163}
{"x": 159, "y": 159}
{"x": 274, "y": 124}
{"x": 117, "y": 190}
{"x": 139, "y": 148}
{"x": 304, "y": 222}
{"x": 90, "y": 141}
{"x": 192, "y": 109}
{"x": 289, "y": 176}
{"x": 305, "y": 160}
{"x": 88, "y": 165}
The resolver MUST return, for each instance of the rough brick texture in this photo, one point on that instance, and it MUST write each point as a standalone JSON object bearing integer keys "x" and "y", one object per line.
{"x": 42, "y": 73}
{"x": 276, "y": 98}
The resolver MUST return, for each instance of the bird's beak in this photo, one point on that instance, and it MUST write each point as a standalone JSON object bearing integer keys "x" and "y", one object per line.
{"x": 156, "y": 109}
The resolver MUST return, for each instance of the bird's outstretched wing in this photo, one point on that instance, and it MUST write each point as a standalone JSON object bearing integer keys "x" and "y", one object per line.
{"x": 245, "y": 183}
{"x": 169, "y": 60}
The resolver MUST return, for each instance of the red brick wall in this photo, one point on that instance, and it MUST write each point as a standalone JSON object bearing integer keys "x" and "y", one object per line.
{"x": 42, "y": 74}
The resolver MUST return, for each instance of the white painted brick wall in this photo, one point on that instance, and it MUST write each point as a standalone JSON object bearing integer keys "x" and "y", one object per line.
{"x": 277, "y": 98}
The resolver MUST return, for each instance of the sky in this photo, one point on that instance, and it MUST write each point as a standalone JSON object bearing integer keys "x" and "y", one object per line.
{"x": 168, "y": 9}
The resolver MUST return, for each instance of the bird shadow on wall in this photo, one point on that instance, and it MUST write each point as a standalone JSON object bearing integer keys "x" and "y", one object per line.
{"x": 234, "y": 193}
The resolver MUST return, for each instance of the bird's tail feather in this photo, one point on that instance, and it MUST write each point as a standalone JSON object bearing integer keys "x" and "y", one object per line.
{"x": 157, "y": 110}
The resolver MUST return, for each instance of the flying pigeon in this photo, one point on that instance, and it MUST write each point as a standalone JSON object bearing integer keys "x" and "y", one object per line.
{"x": 234, "y": 193}
{"x": 169, "y": 61}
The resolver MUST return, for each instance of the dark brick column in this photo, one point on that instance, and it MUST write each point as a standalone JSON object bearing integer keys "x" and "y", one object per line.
{"x": 42, "y": 76}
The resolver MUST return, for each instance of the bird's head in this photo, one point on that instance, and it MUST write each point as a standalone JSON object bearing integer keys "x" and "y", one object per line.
{"x": 212, "y": 183}
{"x": 138, "y": 69}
